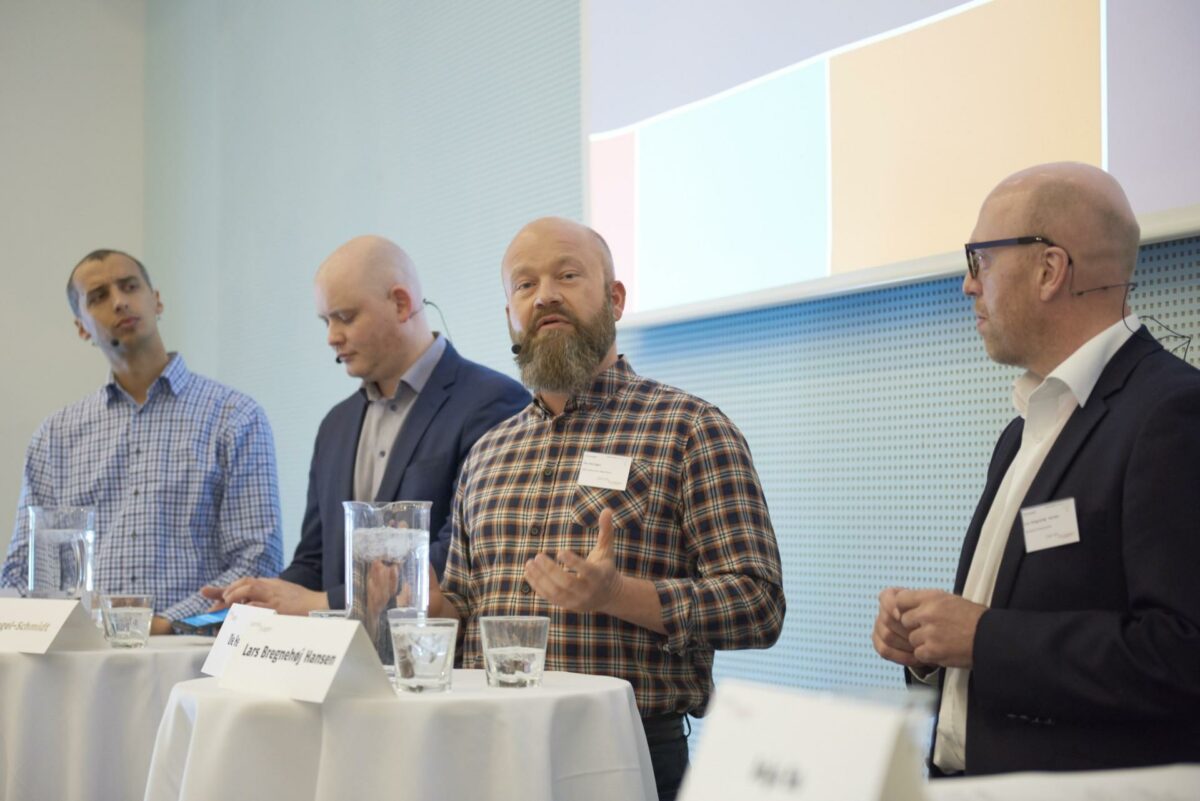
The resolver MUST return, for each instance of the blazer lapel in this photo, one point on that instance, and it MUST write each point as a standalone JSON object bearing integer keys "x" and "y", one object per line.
{"x": 422, "y": 413}
{"x": 1006, "y": 451}
{"x": 1062, "y": 455}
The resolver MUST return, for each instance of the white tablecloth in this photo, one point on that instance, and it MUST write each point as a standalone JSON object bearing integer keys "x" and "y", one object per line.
{"x": 1165, "y": 783}
{"x": 81, "y": 724}
{"x": 575, "y": 738}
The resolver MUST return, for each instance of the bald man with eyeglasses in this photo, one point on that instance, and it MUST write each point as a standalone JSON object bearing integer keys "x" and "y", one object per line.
{"x": 1072, "y": 638}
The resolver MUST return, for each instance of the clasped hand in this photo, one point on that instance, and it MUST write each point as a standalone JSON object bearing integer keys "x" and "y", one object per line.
{"x": 926, "y": 628}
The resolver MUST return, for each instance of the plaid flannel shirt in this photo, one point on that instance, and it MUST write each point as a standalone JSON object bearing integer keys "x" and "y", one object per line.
{"x": 184, "y": 488}
{"x": 692, "y": 519}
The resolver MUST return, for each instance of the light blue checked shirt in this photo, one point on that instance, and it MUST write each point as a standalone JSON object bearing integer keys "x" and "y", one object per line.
{"x": 184, "y": 488}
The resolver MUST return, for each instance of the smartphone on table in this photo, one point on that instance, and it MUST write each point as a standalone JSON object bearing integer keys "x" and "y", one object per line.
{"x": 205, "y": 624}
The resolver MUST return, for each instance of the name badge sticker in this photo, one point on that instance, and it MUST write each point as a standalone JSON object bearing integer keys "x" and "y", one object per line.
{"x": 1049, "y": 525}
{"x": 604, "y": 470}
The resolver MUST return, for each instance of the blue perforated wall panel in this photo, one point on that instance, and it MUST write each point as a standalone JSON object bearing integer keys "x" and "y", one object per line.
{"x": 871, "y": 418}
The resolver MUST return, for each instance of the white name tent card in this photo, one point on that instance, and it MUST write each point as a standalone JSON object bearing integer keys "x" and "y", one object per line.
{"x": 771, "y": 743}
{"x": 306, "y": 659}
{"x": 229, "y": 636}
{"x": 36, "y": 626}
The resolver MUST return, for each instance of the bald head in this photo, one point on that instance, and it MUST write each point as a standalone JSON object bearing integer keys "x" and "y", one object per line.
{"x": 370, "y": 299}
{"x": 1080, "y": 207}
{"x": 372, "y": 263}
{"x": 565, "y": 234}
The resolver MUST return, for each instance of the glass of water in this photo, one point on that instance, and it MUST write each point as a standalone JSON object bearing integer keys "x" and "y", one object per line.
{"x": 127, "y": 619}
{"x": 423, "y": 649}
{"x": 514, "y": 649}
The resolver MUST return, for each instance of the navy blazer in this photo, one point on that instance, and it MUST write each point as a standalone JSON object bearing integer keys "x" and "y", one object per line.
{"x": 1089, "y": 656}
{"x": 461, "y": 401}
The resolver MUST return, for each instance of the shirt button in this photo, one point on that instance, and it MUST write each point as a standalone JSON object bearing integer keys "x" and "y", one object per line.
{"x": 393, "y": 407}
{"x": 133, "y": 579}
{"x": 560, "y": 424}
{"x": 136, "y": 492}
{"x": 525, "y": 588}
{"x": 382, "y": 454}
{"x": 138, "y": 452}
{"x": 548, "y": 472}
{"x": 535, "y": 530}
{"x": 133, "y": 535}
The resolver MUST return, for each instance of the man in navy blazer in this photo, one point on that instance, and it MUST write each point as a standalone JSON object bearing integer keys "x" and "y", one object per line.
{"x": 401, "y": 436}
{"x": 1072, "y": 638}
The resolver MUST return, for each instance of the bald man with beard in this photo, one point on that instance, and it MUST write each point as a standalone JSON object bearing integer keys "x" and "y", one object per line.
{"x": 401, "y": 436}
{"x": 644, "y": 571}
{"x": 1072, "y": 638}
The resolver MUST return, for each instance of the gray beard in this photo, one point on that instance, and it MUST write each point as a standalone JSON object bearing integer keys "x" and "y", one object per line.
{"x": 565, "y": 362}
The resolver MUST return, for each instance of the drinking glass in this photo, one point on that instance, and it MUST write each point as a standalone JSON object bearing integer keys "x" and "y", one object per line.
{"x": 424, "y": 651}
{"x": 514, "y": 649}
{"x": 127, "y": 619}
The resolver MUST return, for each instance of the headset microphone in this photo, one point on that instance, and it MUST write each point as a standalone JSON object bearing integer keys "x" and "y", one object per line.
{"x": 516, "y": 349}
{"x": 337, "y": 359}
{"x": 116, "y": 343}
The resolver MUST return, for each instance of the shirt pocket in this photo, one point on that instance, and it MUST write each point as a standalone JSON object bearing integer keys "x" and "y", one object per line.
{"x": 629, "y": 507}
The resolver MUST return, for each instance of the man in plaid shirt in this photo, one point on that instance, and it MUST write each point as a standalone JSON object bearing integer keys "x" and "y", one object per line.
{"x": 626, "y": 511}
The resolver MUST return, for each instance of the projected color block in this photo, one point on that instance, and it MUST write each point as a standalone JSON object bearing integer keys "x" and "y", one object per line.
{"x": 924, "y": 124}
{"x": 612, "y": 203}
{"x": 736, "y": 188}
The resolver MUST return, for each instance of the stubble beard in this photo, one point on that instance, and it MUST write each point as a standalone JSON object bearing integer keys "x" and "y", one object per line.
{"x": 564, "y": 361}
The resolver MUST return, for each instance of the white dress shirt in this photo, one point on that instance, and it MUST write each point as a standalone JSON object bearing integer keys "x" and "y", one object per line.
{"x": 1046, "y": 407}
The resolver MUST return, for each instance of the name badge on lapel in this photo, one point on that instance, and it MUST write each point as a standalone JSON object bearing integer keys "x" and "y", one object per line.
{"x": 1049, "y": 525}
{"x": 604, "y": 470}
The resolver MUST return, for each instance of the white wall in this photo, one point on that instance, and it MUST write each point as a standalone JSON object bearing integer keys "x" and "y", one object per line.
{"x": 233, "y": 145}
{"x": 71, "y": 180}
{"x": 276, "y": 130}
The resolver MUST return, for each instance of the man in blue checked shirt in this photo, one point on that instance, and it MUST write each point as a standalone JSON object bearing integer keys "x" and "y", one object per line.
{"x": 180, "y": 469}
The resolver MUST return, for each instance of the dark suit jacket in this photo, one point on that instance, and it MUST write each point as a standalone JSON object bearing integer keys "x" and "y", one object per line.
{"x": 460, "y": 402}
{"x": 1089, "y": 656}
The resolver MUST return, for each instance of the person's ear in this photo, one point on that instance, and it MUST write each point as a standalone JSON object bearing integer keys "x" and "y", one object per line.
{"x": 617, "y": 294}
{"x": 1054, "y": 272}
{"x": 403, "y": 303}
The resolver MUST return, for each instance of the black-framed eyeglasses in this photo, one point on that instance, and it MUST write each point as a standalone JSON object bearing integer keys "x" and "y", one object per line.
{"x": 972, "y": 249}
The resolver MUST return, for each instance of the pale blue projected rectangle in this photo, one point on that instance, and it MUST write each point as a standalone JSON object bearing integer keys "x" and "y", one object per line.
{"x": 732, "y": 193}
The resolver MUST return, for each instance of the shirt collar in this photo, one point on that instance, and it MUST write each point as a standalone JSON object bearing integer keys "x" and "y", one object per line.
{"x": 608, "y": 382}
{"x": 1080, "y": 371}
{"x": 175, "y": 377}
{"x": 418, "y": 373}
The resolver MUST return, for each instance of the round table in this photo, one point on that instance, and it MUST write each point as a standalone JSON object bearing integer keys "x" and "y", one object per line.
{"x": 81, "y": 724}
{"x": 575, "y": 738}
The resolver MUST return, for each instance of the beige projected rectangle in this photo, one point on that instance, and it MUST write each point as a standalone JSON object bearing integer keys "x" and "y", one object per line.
{"x": 925, "y": 123}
